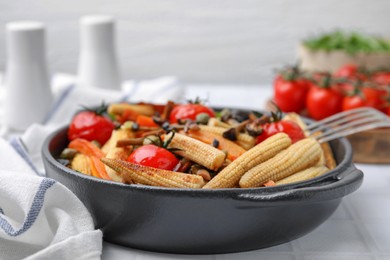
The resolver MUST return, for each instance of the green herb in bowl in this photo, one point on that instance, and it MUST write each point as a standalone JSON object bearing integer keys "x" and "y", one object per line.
{"x": 350, "y": 42}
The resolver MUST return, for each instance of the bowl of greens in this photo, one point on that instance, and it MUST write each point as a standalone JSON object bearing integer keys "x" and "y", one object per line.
{"x": 329, "y": 51}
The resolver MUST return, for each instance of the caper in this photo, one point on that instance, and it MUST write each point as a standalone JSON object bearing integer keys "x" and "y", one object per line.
{"x": 202, "y": 118}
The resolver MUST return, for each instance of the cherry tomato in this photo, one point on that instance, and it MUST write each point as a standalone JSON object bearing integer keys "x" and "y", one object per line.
{"x": 352, "y": 102}
{"x": 189, "y": 111}
{"x": 153, "y": 156}
{"x": 368, "y": 97}
{"x": 90, "y": 126}
{"x": 346, "y": 89}
{"x": 375, "y": 98}
{"x": 323, "y": 102}
{"x": 388, "y": 111}
{"x": 289, "y": 127}
{"x": 347, "y": 71}
{"x": 350, "y": 71}
{"x": 290, "y": 95}
{"x": 381, "y": 78}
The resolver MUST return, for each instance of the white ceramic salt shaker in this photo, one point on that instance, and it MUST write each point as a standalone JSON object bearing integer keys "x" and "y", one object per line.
{"x": 98, "y": 65}
{"x": 28, "y": 97}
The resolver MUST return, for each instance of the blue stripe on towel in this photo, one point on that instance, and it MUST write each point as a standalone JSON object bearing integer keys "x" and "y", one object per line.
{"x": 17, "y": 144}
{"x": 33, "y": 212}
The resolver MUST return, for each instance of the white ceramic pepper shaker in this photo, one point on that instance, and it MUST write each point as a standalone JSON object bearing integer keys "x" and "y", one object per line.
{"x": 28, "y": 97}
{"x": 98, "y": 66}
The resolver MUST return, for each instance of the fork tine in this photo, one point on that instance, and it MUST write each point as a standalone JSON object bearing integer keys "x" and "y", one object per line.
{"x": 341, "y": 116}
{"x": 348, "y": 122}
{"x": 342, "y": 120}
{"x": 336, "y": 135}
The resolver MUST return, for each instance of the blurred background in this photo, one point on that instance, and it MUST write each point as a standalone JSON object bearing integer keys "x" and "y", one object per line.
{"x": 220, "y": 41}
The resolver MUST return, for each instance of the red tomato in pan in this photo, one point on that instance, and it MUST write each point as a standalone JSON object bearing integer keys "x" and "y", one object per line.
{"x": 293, "y": 130}
{"x": 153, "y": 156}
{"x": 290, "y": 95}
{"x": 189, "y": 111}
{"x": 90, "y": 126}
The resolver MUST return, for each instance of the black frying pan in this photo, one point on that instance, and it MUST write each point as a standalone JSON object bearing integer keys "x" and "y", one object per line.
{"x": 206, "y": 221}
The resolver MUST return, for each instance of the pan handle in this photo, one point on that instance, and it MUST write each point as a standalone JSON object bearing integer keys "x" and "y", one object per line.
{"x": 335, "y": 186}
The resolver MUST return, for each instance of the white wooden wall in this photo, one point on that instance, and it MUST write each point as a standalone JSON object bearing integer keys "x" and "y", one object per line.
{"x": 213, "y": 41}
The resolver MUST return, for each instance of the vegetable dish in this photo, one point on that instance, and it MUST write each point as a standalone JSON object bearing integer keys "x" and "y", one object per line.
{"x": 193, "y": 146}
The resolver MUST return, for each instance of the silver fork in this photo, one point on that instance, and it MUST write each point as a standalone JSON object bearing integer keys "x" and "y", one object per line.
{"x": 347, "y": 123}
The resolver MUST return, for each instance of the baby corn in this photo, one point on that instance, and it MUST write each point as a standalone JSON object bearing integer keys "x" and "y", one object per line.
{"x": 231, "y": 174}
{"x": 153, "y": 176}
{"x": 244, "y": 140}
{"x": 327, "y": 156}
{"x": 303, "y": 175}
{"x": 197, "y": 151}
{"x": 299, "y": 156}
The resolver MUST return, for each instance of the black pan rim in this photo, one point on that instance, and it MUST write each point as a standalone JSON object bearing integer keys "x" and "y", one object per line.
{"x": 344, "y": 164}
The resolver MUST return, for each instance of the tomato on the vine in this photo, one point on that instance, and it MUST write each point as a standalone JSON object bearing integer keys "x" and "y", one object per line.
{"x": 350, "y": 71}
{"x": 352, "y": 102}
{"x": 324, "y": 100}
{"x": 364, "y": 97}
{"x": 290, "y": 94}
{"x": 91, "y": 126}
{"x": 381, "y": 78}
{"x": 293, "y": 130}
{"x": 153, "y": 156}
{"x": 375, "y": 98}
{"x": 189, "y": 111}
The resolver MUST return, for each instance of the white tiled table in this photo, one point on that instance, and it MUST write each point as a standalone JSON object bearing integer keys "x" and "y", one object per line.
{"x": 358, "y": 230}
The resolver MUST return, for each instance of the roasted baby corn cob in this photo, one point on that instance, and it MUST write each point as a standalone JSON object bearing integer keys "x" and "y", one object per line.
{"x": 230, "y": 176}
{"x": 244, "y": 140}
{"x": 327, "y": 156}
{"x": 153, "y": 176}
{"x": 298, "y": 156}
{"x": 196, "y": 151}
{"x": 303, "y": 175}
{"x": 231, "y": 149}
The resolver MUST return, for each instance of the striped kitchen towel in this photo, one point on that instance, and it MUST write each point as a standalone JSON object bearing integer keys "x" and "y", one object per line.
{"x": 39, "y": 217}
